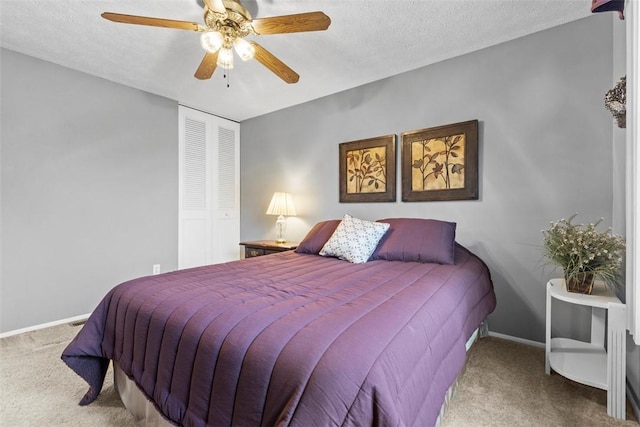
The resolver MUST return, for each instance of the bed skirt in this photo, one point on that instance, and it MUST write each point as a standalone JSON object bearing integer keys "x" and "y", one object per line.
{"x": 136, "y": 402}
{"x": 148, "y": 416}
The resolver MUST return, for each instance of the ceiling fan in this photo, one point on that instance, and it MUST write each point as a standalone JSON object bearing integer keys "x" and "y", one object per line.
{"x": 226, "y": 24}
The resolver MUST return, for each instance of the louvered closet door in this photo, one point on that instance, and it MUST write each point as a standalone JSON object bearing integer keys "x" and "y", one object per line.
{"x": 209, "y": 214}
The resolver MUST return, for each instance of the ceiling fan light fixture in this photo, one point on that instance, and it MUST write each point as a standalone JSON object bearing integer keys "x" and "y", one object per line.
{"x": 226, "y": 24}
{"x": 245, "y": 50}
{"x": 225, "y": 58}
{"x": 211, "y": 41}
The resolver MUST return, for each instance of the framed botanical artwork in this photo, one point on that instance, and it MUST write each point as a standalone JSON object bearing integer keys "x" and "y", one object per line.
{"x": 368, "y": 170}
{"x": 440, "y": 163}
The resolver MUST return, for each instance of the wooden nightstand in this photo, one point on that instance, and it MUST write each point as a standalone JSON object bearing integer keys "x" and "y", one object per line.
{"x": 265, "y": 247}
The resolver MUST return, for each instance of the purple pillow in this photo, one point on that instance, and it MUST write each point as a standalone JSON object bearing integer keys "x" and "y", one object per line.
{"x": 415, "y": 239}
{"x": 317, "y": 237}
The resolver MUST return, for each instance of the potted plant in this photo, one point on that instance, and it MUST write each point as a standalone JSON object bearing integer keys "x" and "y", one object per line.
{"x": 584, "y": 253}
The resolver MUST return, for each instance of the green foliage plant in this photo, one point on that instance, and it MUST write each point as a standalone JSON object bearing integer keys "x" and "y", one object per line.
{"x": 581, "y": 248}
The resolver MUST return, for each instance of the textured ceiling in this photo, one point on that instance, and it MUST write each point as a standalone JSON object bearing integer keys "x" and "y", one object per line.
{"x": 368, "y": 40}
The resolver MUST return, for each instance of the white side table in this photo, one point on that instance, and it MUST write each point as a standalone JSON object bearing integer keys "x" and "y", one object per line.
{"x": 591, "y": 363}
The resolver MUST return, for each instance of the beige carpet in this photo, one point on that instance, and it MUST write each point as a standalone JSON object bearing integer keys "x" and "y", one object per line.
{"x": 504, "y": 385}
{"x": 37, "y": 388}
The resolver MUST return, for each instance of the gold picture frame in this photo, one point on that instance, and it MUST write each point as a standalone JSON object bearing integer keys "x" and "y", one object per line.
{"x": 368, "y": 170}
{"x": 440, "y": 163}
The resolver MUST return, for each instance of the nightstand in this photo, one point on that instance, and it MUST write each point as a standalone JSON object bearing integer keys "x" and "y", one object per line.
{"x": 265, "y": 247}
{"x": 592, "y": 363}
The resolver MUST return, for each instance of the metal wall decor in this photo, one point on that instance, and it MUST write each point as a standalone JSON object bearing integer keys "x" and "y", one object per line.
{"x": 615, "y": 101}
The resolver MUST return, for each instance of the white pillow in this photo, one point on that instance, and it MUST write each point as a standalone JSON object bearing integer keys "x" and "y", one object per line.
{"x": 354, "y": 239}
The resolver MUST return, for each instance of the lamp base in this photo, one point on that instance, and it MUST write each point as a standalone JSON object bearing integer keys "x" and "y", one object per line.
{"x": 280, "y": 225}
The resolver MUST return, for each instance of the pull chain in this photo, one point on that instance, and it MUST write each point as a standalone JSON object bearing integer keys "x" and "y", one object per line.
{"x": 226, "y": 76}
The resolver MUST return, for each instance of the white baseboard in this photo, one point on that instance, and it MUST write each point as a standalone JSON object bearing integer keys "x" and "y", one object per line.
{"x": 516, "y": 339}
{"x": 45, "y": 325}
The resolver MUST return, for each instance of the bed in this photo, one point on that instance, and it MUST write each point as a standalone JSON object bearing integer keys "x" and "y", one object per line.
{"x": 304, "y": 338}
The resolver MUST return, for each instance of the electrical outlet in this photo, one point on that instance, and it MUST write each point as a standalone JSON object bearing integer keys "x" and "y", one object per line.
{"x": 156, "y": 268}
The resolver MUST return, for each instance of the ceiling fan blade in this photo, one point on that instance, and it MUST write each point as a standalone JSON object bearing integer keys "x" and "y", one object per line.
{"x": 153, "y": 22}
{"x": 207, "y": 66}
{"x": 278, "y": 67}
{"x": 216, "y": 6}
{"x": 310, "y": 21}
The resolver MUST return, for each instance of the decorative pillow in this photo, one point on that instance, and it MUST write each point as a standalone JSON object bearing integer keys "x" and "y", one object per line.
{"x": 354, "y": 239}
{"x": 415, "y": 239}
{"x": 317, "y": 237}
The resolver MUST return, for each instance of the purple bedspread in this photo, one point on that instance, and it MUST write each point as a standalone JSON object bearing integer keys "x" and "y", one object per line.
{"x": 290, "y": 339}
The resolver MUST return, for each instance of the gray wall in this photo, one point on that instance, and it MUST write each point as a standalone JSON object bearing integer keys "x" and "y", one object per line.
{"x": 89, "y": 189}
{"x": 545, "y": 153}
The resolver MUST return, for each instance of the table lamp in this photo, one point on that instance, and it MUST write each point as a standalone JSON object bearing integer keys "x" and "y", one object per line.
{"x": 281, "y": 205}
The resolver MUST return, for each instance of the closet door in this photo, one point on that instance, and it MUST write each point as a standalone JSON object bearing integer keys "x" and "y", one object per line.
{"x": 209, "y": 189}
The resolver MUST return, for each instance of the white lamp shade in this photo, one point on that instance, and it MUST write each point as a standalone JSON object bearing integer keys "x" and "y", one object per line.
{"x": 245, "y": 50}
{"x": 225, "y": 58}
{"x": 281, "y": 204}
{"x": 211, "y": 41}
